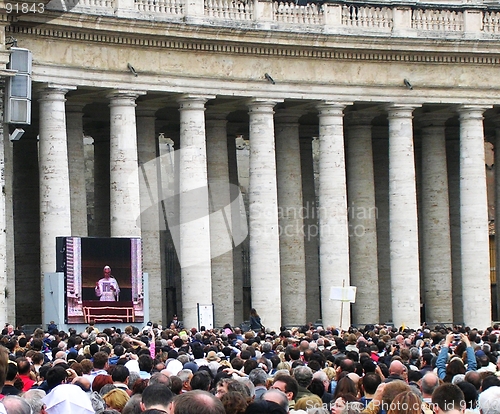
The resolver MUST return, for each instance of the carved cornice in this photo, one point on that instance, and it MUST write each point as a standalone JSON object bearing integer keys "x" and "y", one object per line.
{"x": 263, "y": 50}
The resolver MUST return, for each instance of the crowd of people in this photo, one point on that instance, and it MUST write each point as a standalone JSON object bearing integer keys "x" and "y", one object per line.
{"x": 310, "y": 369}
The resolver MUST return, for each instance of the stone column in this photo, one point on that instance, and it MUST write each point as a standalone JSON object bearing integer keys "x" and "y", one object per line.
{"x": 150, "y": 210}
{"x": 497, "y": 209}
{"x": 435, "y": 226}
{"x": 76, "y": 158}
{"x": 362, "y": 217}
{"x": 403, "y": 226}
{"x": 124, "y": 198}
{"x": 194, "y": 240}
{"x": 55, "y": 201}
{"x": 290, "y": 215}
{"x": 474, "y": 219}
{"x": 221, "y": 228}
{"x": 310, "y": 223}
{"x": 263, "y": 220}
{"x": 333, "y": 229}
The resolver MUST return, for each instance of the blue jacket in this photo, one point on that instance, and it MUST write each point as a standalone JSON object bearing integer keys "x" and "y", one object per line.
{"x": 442, "y": 359}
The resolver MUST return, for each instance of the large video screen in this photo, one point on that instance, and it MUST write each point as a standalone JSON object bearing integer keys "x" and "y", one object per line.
{"x": 103, "y": 279}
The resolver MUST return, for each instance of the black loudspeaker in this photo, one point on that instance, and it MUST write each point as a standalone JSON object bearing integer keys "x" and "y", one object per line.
{"x": 60, "y": 254}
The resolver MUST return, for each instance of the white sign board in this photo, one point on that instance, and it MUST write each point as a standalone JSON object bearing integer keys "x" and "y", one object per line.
{"x": 205, "y": 316}
{"x": 343, "y": 294}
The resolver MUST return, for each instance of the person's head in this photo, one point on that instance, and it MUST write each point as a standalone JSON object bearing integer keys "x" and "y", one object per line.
{"x": 133, "y": 405}
{"x": 397, "y": 368}
{"x": 56, "y": 375}
{"x": 303, "y": 375}
{"x": 116, "y": 399}
{"x": 345, "y": 386}
{"x": 100, "y": 360}
{"x": 34, "y": 399}
{"x": 156, "y": 396}
{"x": 196, "y": 402}
{"x": 392, "y": 389}
{"x": 258, "y": 376}
{"x": 406, "y": 403}
{"x": 120, "y": 374}
{"x": 489, "y": 402}
{"x": 307, "y": 402}
{"x": 100, "y": 381}
{"x": 201, "y": 380}
{"x": 474, "y": 378}
{"x": 370, "y": 382}
{"x": 234, "y": 402}
{"x": 107, "y": 272}
{"x": 448, "y": 398}
{"x": 16, "y": 405}
{"x": 429, "y": 383}
{"x": 470, "y": 394}
{"x": 276, "y": 396}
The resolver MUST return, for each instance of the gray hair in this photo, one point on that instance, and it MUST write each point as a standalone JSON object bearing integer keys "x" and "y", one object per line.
{"x": 34, "y": 398}
{"x": 276, "y": 396}
{"x": 489, "y": 401}
{"x": 258, "y": 376}
{"x": 303, "y": 375}
{"x": 16, "y": 405}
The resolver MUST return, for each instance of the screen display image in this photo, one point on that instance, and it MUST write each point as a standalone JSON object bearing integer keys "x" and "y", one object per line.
{"x": 103, "y": 280}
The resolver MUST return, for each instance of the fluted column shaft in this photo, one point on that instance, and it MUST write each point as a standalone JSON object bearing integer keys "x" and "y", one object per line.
{"x": 76, "y": 157}
{"x": 221, "y": 228}
{"x": 403, "y": 227}
{"x": 290, "y": 213}
{"x": 194, "y": 240}
{"x": 436, "y": 241}
{"x": 362, "y": 218}
{"x": 125, "y": 204}
{"x": 263, "y": 220}
{"x": 474, "y": 219}
{"x": 150, "y": 214}
{"x": 333, "y": 226}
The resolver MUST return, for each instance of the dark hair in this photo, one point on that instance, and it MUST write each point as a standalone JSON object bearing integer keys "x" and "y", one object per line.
{"x": 120, "y": 373}
{"x": 470, "y": 394}
{"x": 448, "y": 397}
{"x": 201, "y": 380}
{"x": 291, "y": 384}
{"x": 370, "y": 382}
{"x": 157, "y": 394}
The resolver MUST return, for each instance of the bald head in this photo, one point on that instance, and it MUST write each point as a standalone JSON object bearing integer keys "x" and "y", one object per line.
{"x": 397, "y": 368}
{"x": 430, "y": 382}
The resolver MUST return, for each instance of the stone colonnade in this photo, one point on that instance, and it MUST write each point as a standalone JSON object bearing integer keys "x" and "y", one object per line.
{"x": 370, "y": 233}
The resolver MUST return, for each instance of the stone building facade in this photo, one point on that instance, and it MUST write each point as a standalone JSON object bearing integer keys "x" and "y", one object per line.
{"x": 399, "y": 97}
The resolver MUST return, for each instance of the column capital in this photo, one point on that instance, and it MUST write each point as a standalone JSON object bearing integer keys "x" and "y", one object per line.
{"x": 332, "y": 108}
{"x": 193, "y": 102}
{"x": 52, "y": 92}
{"x": 468, "y": 111}
{"x": 401, "y": 110}
{"x": 262, "y": 105}
{"x": 123, "y": 97}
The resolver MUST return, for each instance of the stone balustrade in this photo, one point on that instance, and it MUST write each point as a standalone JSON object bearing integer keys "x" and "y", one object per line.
{"x": 409, "y": 20}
